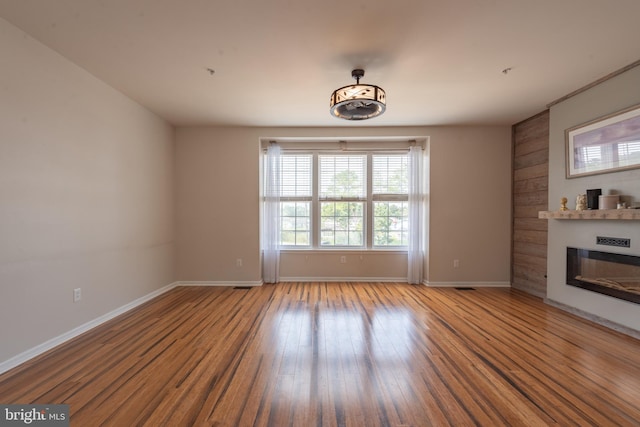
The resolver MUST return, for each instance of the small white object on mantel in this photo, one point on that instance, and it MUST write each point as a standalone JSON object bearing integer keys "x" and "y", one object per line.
{"x": 608, "y": 201}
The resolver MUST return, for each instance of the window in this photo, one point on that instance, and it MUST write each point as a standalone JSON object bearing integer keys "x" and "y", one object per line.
{"x": 295, "y": 200}
{"x": 390, "y": 200}
{"x": 344, "y": 200}
{"x": 342, "y": 181}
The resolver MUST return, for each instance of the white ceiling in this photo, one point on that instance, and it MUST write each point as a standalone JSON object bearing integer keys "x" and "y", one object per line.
{"x": 276, "y": 62}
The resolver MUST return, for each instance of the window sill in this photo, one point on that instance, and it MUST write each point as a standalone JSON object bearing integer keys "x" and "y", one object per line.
{"x": 344, "y": 251}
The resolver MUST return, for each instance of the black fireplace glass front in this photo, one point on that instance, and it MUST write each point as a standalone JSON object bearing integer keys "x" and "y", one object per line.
{"x": 615, "y": 275}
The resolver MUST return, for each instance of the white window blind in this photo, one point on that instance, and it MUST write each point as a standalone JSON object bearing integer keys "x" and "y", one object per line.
{"x": 342, "y": 192}
{"x": 342, "y": 177}
{"x": 296, "y": 175}
{"x": 390, "y": 174}
{"x": 629, "y": 152}
{"x": 295, "y": 201}
{"x": 390, "y": 200}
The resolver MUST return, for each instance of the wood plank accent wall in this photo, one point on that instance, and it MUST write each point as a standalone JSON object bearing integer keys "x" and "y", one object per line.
{"x": 530, "y": 195}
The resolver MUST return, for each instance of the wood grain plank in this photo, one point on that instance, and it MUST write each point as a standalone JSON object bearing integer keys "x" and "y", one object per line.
{"x": 533, "y": 184}
{"x": 530, "y": 172}
{"x": 530, "y": 236}
{"x": 534, "y": 158}
{"x": 333, "y": 354}
{"x": 528, "y": 211}
{"x": 530, "y": 249}
{"x": 534, "y": 224}
{"x": 530, "y": 192}
{"x": 533, "y": 198}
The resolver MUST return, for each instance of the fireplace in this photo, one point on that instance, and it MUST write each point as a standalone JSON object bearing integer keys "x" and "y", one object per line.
{"x": 612, "y": 274}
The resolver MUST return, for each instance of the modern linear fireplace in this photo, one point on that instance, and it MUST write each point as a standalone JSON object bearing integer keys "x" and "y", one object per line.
{"x": 616, "y": 275}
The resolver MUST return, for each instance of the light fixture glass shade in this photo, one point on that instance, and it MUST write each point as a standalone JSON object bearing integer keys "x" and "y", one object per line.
{"x": 359, "y": 101}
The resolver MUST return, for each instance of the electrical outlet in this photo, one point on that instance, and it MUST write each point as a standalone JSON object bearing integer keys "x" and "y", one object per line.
{"x": 239, "y": 262}
{"x": 77, "y": 294}
{"x": 456, "y": 263}
{"x": 343, "y": 259}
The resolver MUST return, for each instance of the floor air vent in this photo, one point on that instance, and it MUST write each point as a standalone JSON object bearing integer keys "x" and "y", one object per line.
{"x": 244, "y": 288}
{"x": 463, "y": 288}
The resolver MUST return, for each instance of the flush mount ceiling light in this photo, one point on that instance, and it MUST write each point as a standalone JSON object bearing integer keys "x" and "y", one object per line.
{"x": 358, "y": 102}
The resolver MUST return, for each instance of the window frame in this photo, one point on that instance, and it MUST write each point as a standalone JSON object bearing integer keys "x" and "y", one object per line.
{"x": 368, "y": 202}
{"x": 388, "y": 197}
{"x": 306, "y": 198}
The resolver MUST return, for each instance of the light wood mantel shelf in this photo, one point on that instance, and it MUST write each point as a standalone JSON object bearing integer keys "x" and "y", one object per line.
{"x": 592, "y": 214}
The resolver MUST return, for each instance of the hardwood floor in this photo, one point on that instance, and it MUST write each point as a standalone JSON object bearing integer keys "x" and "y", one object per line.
{"x": 339, "y": 354}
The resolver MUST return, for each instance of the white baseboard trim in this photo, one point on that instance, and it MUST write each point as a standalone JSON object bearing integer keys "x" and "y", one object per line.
{"x": 343, "y": 279}
{"x": 60, "y": 339}
{"x": 468, "y": 284}
{"x": 594, "y": 318}
{"x": 230, "y": 284}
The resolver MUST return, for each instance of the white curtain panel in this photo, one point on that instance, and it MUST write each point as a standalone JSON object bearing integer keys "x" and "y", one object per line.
{"x": 416, "y": 215}
{"x": 271, "y": 225}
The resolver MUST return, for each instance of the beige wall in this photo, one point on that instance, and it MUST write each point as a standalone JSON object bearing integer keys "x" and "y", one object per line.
{"x": 470, "y": 205}
{"x": 470, "y": 184}
{"x": 605, "y": 98}
{"x": 86, "y": 196}
{"x": 217, "y": 173}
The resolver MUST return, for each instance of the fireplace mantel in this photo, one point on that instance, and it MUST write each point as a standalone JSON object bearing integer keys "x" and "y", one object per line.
{"x": 611, "y": 214}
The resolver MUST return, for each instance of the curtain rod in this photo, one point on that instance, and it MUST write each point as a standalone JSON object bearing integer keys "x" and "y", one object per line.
{"x": 347, "y": 146}
{"x": 338, "y": 149}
